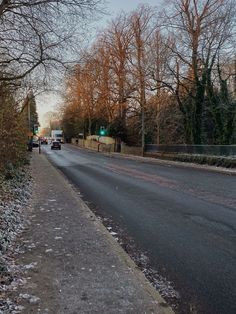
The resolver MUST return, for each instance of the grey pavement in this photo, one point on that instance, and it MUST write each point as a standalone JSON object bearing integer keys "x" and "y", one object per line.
{"x": 72, "y": 263}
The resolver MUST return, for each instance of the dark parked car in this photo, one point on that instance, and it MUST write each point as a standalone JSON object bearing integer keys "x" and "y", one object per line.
{"x": 56, "y": 145}
{"x": 44, "y": 141}
{"x": 35, "y": 143}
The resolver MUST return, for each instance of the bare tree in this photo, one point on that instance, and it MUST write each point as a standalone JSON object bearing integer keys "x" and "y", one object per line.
{"x": 142, "y": 27}
{"x": 102, "y": 69}
{"x": 203, "y": 31}
{"x": 118, "y": 40}
{"x": 38, "y": 33}
{"x": 159, "y": 56}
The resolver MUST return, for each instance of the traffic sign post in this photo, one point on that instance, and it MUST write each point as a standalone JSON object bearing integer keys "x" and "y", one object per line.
{"x": 39, "y": 145}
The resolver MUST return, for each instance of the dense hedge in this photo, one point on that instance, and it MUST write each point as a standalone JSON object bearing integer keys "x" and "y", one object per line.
{"x": 13, "y": 133}
{"x": 228, "y": 162}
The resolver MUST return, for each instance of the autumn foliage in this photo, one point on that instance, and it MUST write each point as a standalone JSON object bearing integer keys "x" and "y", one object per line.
{"x": 159, "y": 76}
{"x": 13, "y": 131}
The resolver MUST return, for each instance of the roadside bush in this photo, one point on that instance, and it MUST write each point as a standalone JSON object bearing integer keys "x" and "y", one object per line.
{"x": 226, "y": 162}
{"x": 13, "y": 133}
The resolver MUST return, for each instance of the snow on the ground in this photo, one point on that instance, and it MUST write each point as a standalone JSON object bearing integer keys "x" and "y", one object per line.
{"x": 15, "y": 194}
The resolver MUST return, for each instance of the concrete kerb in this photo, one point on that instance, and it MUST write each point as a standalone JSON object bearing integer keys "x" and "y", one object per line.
{"x": 180, "y": 164}
{"x": 130, "y": 263}
{"x": 164, "y": 307}
{"x": 167, "y": 162}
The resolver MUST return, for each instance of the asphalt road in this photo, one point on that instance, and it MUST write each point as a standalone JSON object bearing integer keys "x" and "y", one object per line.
{"x": 183, "y": 219}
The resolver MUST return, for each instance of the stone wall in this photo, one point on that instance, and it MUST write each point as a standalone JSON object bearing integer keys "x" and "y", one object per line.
{"x": 94, "y": 145}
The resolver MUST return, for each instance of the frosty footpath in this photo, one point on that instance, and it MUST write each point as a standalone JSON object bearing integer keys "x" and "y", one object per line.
{"x": 78, "y": 267}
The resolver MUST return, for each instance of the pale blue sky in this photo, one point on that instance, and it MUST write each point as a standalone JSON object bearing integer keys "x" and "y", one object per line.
{"x": 114, "y": 6}
{"x": 49, "y": 102}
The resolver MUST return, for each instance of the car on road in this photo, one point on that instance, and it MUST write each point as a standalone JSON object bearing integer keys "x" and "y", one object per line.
{"x": 44, "y": 141}
{"x": 56, "y": 145}
{"x": 35, "y": 143}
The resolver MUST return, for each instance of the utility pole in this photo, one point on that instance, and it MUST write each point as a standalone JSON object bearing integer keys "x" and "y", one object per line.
{"x": 28, "y": 111}
{"x": 235, "y": 76}
{"x": 158, "y": 122}
{"x": 30, "y": 137}
{"x": 143, "y": 129}
{"x": 39, "y": 146}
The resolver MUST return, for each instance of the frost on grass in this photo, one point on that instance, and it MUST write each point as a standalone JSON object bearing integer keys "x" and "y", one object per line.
{"x": 30, "y": 266}
{"x": 14, "y": 198}
{"x": 30, "y": 298}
